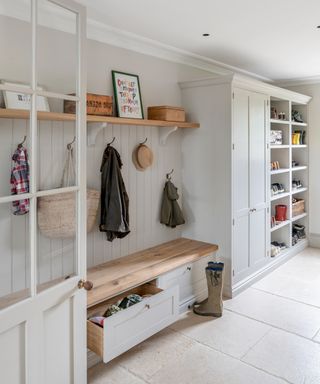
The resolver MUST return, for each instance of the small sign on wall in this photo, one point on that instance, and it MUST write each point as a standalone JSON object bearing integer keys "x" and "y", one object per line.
{"x": 127, "y": 95}
{"x": 20, "y": 100}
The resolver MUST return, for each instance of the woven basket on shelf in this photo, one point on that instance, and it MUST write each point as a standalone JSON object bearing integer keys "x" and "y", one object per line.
{"x": 57, "y": 214}
{"x": 298, "y": 207}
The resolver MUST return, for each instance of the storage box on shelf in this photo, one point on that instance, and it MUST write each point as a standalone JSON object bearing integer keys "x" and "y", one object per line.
{"x": 166, "y": 113}
{"x": 100, "y": 105}
{"x": 298, "y": 207}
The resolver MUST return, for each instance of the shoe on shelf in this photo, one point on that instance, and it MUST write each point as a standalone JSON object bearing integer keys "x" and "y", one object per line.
{"x": 296, "y": 116}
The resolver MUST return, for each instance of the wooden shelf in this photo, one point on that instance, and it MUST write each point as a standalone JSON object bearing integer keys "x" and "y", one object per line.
{"x": 54, "y": 116}
{"x": 25, "y": 114}
{"x": 141, "y": 122}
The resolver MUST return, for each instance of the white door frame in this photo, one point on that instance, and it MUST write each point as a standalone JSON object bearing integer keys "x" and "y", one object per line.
{"x": 29, "y": 313}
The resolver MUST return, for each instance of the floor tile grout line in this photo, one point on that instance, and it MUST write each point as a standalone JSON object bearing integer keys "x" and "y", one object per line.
{"x": 233, "y": 357}
{"x": 265, "y": 371}
{"x": 273, "y": 326}
{"x": 256, "y": 343}
{"x": 317, "y": 333}
{"x": 133, "y": 373}
{"x": 285, "y": 297}
{"x": 206, "y": 345}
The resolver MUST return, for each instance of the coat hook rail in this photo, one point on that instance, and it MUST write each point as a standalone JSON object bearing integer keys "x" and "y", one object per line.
{"x": 24, "y": 140}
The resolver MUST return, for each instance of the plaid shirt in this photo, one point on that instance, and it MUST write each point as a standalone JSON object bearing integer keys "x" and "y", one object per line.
{"x": 20, "y": 180}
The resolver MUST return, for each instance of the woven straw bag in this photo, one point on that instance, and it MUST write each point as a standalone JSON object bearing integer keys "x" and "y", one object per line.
{"x": 57, "y": 213}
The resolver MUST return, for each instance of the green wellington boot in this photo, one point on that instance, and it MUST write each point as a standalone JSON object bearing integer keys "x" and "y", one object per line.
{"x": 212, "y": 306}
{"x": 212, "y": 264}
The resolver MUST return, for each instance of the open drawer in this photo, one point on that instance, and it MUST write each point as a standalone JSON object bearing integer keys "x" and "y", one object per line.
{"x": 127, "y": 328}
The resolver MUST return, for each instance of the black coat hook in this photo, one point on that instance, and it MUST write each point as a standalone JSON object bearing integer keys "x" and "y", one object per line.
{"x": 69, "y": 144}
{"x": 24, "y": 140}
{"x": 144, "y": 141}
{"x": 112, "y": 141}
{"x": 170, "y": 173}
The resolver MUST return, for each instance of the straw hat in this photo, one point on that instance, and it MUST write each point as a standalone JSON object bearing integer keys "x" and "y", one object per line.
{"x": 142, "y": 157}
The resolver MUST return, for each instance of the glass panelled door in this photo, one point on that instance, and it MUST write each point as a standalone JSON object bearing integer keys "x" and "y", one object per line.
{"x": 42, "y": 191}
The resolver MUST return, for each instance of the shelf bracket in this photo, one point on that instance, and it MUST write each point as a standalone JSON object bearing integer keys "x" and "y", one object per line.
{"x": 165, "y": 132}
{"x": 93, "y": 130}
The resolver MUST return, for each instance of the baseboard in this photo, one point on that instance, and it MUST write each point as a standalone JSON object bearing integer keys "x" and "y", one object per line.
{"x": 274, "y": 264}
{"x": 314, "y": 240}
{"x": 92, "y": 359}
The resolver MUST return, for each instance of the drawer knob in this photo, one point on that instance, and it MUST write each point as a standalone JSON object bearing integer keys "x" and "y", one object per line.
{"x": 148, "y": 306}
{"x": 188, "y": 268}
{"x": 86, "y": 284}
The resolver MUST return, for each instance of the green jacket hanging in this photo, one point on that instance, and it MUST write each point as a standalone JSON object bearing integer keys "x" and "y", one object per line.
{"x": 171, "y": 214}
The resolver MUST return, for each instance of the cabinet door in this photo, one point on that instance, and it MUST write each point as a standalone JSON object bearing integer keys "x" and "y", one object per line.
{"x": 258, "y": 180}
{"x": 241, "y": 192}
{"x": 249, "y": 183}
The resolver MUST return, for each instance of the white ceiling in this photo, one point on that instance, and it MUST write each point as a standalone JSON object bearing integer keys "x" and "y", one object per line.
{"x": 277, "y": 39}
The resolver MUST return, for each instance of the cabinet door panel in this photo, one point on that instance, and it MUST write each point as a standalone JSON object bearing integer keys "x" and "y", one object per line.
{"x": 258, "y": 180}
{"x": 241, "y": 248}
{"x": 257, "y": 239}
{"x": 249, "y": 183}
{"x": 240, "y": 184}
{"x": 258, "y": 151}
{"x": 241, "y": 151}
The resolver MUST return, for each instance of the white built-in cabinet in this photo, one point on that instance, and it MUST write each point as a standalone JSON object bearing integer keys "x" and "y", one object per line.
{"x": 249, "y": 181}
{"x": 226, "y": 173}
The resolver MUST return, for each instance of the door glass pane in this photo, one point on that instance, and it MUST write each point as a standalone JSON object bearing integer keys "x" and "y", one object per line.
{"x": 56, "y": 159}
{"x": 15, "y": 252}
{"x": 14, "y": 155}
{"x": 56, "y": 242}
{"x": 15, "y": 40}
{"x": 57, "y": 48}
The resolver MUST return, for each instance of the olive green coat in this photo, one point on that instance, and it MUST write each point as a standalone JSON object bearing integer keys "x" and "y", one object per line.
{"x": 171, "y": 214}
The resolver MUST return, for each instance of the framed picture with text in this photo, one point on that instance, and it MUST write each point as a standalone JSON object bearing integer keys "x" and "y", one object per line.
{"x": 127, "y": 95}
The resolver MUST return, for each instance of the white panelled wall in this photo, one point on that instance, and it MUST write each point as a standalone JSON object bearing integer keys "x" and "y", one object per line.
{"x": 56, "y": 256}
{"x": 144, "y": 189}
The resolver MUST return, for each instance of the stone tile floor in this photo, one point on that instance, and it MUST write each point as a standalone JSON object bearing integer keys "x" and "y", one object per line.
{"x": 268, "y": 334}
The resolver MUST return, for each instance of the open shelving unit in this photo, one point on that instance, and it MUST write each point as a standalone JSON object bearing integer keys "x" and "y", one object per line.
{"x": 285, "y": 154}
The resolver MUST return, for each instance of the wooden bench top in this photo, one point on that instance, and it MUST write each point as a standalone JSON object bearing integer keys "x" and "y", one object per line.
{"x": 114, "y": 277}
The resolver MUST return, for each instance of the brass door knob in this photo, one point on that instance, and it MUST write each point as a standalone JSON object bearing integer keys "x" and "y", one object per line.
{"x": 86, "y": 284}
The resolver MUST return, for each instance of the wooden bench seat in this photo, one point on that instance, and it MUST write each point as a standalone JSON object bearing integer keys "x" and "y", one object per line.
{"x": 117, "y": 276}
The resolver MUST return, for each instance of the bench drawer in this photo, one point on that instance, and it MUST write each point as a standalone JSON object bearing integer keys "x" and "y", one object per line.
{"x": 129, "y": 327}
{"x": 190, "y": 278}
